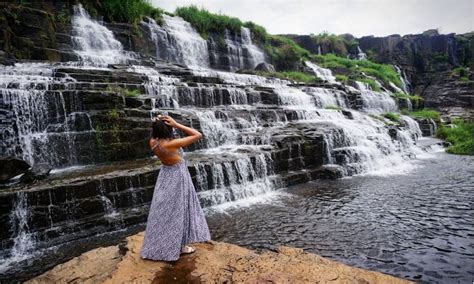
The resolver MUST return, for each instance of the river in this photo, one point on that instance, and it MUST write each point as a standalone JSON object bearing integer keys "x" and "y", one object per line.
{"x": 417, "y": 225}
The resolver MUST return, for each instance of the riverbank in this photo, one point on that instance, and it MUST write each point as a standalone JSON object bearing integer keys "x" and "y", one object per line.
{"x": 214, "y": 262}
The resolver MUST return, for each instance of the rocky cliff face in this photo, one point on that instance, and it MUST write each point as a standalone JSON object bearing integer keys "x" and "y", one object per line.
{"x": 427, "y": 59}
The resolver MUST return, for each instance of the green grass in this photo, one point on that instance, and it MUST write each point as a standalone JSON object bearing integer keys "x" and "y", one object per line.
{"x": 414, "y": 99}
{"x": 333, "y": 107}
{"x": 122, "y": 91}
{"x": 424, "y": 113}
{"x": 383, "y": 72}
{"x": 461, "y": 136}
{"x": 285, "y": 54}
{"x": 291, "y": 75}
{"x": 206, "y": 22}
{"x": 392, "y": 116}
{"x": 131, "y": 93}
{"x": 339, "y": 44}
{"x": 125, "y": 11}
{"x": 342, "y": 78}
{"x": 462, "y": 73}
{"x": 373, "y": 85}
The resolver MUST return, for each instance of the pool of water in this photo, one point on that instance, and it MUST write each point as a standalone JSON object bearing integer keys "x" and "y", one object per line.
{"x": 418, "y": 225}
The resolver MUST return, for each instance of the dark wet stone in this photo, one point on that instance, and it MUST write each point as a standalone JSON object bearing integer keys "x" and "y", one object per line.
{"x": 11, "y": 167}
{"x": 265, "y": 67}
{"x": 36, "y": 172}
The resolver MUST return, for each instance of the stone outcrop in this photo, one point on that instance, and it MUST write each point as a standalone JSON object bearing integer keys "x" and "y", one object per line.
{"x": 11, "y": 167}
{"x": 213, "y": 262}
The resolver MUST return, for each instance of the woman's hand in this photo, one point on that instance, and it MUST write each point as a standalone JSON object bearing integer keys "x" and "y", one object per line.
{"x": 168, "y": 120}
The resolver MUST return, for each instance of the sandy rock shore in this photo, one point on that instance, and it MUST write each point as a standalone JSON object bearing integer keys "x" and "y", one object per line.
{"x": 213, "y": 262}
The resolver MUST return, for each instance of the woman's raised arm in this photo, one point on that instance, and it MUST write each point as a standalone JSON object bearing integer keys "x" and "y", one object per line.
{"x": 192, "y": 134}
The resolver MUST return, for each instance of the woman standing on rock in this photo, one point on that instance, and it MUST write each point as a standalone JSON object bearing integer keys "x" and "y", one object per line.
{"x": 176, "y": 217}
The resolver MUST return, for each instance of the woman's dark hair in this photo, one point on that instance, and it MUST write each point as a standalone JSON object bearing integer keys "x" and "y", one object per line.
{"x": 161, "y": 130}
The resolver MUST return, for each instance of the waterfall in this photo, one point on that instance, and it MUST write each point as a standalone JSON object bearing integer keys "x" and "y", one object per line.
{"x": 23, "y": 240}
{"x": 38, "y": 121}
{"x": 177, "y": 41}
{"x": 403, "y": 78}
{"x": 327, "y": 97}
{"x": 256, "y": 55}
{"x": 94, "y": 43}
{"x": 360, "y": 54}
{"x": 231, "y": 181}
{"x": 376, "y": 102}
{"x": 322, "y": 73}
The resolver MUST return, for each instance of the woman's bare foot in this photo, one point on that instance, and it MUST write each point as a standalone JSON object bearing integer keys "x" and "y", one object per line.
{"x": 188, "y": 249}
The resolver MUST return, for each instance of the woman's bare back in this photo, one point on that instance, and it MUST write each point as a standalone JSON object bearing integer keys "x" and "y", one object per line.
{"x": 166, "y": 155}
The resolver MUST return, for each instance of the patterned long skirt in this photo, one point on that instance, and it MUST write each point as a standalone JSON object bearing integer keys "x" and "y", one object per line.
{"x": 176, "y": 217}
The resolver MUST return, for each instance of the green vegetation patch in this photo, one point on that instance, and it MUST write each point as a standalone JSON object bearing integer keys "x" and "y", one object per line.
{"x": 126, "y": 11}
{"x": 360, "y": 68}
{"x": 339, "y": 44}
{"x": 291, "y": 75}
{"x": 392, "y": 116}
{"x": 342, "y": 78}
{"x": 423, "y": 113}
{"x": 462, "y": 73}
{"x": 206, "y": 22}
{"x": 414, "y": 99}
{"x": 123, "y": 91}
{"x": 460, "y": 135}
{"x": 285, "y": 54}
{"x": 333, "y": 107}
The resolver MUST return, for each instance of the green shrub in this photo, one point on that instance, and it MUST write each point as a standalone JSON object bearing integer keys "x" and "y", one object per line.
{"x": 342, "y": 78}
{"x": 206, "y": 22}
{"x": 462, "y": 73}
{"x": 392, "y": 116}
{"x": 291, "y": 75}
{"x": 425, "y": 113}
{"x": 128, "y": 11}
{"x": 285, "y": 54}
{"x": 259, "y": 33}
{"x": 414, "y": 99}
{"x": 461, "y": 136}
{"x": 337, "y": 43}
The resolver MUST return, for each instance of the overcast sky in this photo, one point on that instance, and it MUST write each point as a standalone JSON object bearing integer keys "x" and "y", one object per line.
{"x": 358, "y": 17}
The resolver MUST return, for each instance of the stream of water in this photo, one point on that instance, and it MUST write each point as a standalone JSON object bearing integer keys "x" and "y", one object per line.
{"x": 417, "y": 225}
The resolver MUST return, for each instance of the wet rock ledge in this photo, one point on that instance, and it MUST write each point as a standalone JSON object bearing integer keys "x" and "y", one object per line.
{"x": 213, "y": 262}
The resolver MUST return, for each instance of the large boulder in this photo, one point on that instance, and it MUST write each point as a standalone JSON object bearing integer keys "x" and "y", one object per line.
{"x": 11, "y": 167}
{"x": 37, "y": 172}
{"x": 265, "y": 67}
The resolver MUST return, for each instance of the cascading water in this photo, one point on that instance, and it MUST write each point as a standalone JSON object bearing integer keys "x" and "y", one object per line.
{"x": 256, "y": 55}
{"x": 376, "y": 102}
{"x": 177, "y": 41}
{"x": 403, "y": 78}
{"x": 322, "y": 73}
{"x": 39, "y": 120}
{"x": 94, "y": 43}
{"x": 360, "y": 54}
